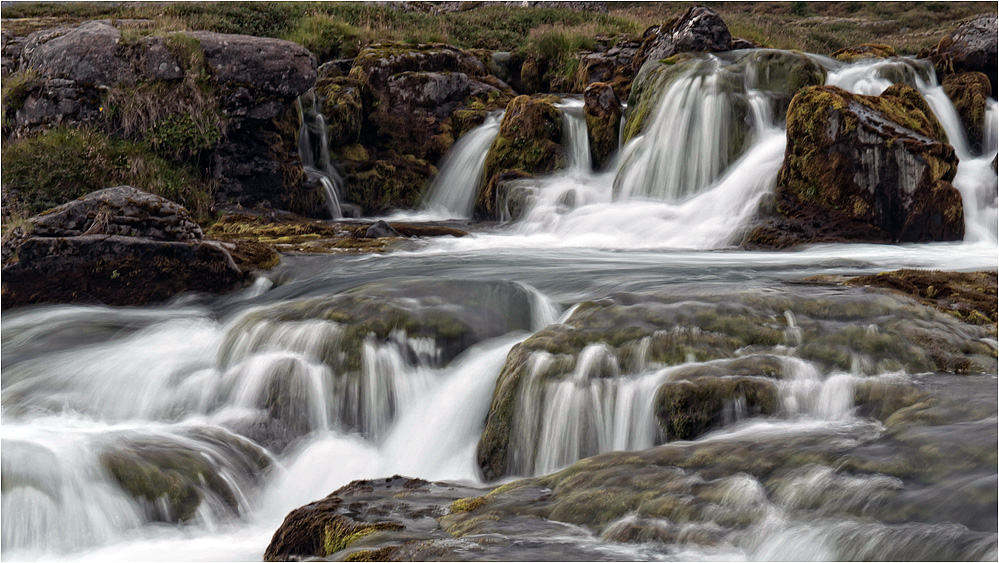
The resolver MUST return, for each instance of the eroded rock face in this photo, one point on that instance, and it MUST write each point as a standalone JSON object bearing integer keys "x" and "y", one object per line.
{"x": 863, "y": 168}
{"x": 970, "y": 92}
{"x": 529, "y": 141}
{"x": 972, "y": 47}
{"x": 118, "y": 246}
{"x": 602, "y": 110}
{"x": 698, "y": 30}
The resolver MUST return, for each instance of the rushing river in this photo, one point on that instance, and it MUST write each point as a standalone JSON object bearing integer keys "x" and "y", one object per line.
{"x": 281, "y": 408}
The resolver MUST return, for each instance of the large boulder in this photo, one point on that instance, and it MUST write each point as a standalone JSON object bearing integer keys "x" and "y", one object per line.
{"x": 863, "y": 168}
{"x": 602, "y": 110}
{"x": 118, "y": 246}
{"x": 529, "y": 141}
{"x": 697, "y": 30}
{"x": 970, "y": 92}
{"x": 971, "y": 47}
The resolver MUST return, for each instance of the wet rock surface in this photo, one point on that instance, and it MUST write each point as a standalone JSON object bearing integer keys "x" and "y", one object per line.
{"x": 602, "y": 110}
{"x": 970, "y": 92}
{"x": 863, "y": 169}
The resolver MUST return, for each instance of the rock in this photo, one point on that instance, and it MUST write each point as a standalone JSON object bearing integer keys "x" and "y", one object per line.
{"x": 381, "y": 229}
{"x": 782, "y": 74}
{"x": 971, "y": 47}
{"x": 417, "y": 87}
{"x": 686, "y": 409}
{"x": 529, "y": 141}
{"x": 343, "y": 108}
{"x": 87, "y": 55}
{"x": 970, "y": 296}
{"x": 970, "y": 92}
{"x": 390, "y": 182}
{"x": 863, "y": 52}
{"x": 698, "y": 30}
{"x": 334, "y": 69}
{"x": 863, "y": 168}
{"x": 602, "y": 110}
{"x": 612, "y": 66}
{"x": 264, "y": 65}
{"x": 117, "y": 246}
{"x": 122, "y": 211}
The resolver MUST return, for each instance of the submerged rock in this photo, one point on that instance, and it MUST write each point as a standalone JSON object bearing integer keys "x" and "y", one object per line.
{"x": 529, "y": 141}
{"x": 602, "y": 110}
{"x": 970, "y": 92}
{"x": 176, "y": 478}
{"x": 970, "y": 296}
{"x": 864, "y": 169}
{"x": 118, "y": 246}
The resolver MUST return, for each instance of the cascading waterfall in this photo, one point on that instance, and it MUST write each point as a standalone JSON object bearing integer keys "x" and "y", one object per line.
{"x": 313, "y": 147}
{"x": 454, "y": 189}
{"x": 286, "y": 408}
{"x": 575, "y": 137}
{"x": 699, "y": 108}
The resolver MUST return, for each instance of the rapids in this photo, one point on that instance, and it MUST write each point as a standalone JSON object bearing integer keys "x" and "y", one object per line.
{"x": 251, "y": 404}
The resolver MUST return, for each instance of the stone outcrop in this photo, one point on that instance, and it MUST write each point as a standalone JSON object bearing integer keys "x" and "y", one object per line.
{"x": 612, "y": 65}
{"x": 970, "y": 92}
{"x": 228, "y": 100}
{"x": 972, "y": 47}
{"x": 118, "y": 246}
{"x": 602, "y": 110}
{"x": 529, "y": 141}
{"x": 698, "y": 30}
{"x": 863, "y": 168}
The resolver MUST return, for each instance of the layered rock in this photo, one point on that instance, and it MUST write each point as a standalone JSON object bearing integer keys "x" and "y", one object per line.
{"x": 698, "y": 30}
{"x": 602, "y": 110}
{"x": 970, "y": 92}
{"x": 118, "y": 246}
{"x": 613, "y": 66}
{"x": 863, "y": 168}
{"x": 528, "y": 142}
{"x": 972, "y": 47}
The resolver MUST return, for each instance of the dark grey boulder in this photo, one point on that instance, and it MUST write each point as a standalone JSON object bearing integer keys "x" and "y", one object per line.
{"x": 972, "y": 47}
{"x": 88, "y": 55}
{"x": 698, "y": 30}
{"x": 381, "y": 229}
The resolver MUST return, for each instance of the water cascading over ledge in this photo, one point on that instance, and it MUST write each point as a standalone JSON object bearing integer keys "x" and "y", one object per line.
{"x": 313, "y": 148}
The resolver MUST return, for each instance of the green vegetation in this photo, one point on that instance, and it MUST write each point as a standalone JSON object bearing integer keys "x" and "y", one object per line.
{"x": 65, "y": 163}
{"x": 15, "y": 90}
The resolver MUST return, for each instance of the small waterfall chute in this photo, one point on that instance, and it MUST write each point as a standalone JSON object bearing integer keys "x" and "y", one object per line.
{"x": 454, "y": 189}
{"x": 575, "y": 138}
{"x": 313, "y": 147}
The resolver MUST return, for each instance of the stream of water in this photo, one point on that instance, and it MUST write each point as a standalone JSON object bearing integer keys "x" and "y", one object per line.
{"x": 283, "y": 401}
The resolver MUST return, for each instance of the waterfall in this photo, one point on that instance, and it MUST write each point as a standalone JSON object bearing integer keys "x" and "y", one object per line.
{"x": 457, "y": 184}
{"x": 689, "y": 138}
{"x": 313, "y": 146}
{"x": 575, "y": 137}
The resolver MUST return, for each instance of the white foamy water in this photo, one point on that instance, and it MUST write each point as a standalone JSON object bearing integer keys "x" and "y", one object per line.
{"x": 453, "y": 191}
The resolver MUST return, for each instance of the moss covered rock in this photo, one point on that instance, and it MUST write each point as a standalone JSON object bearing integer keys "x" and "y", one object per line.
{"x": 686, "y": 409}
{"x": 529, "y": 141}
{"x": 863, "y": 168}
{"x": 343, "y": 108}
{"x": 602, "y": 110}
{"x": 782, "y": 74}
{"x": 392, "y": 181}
{"x": 863, "y": 52}
{"x": 970, "y": 92}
